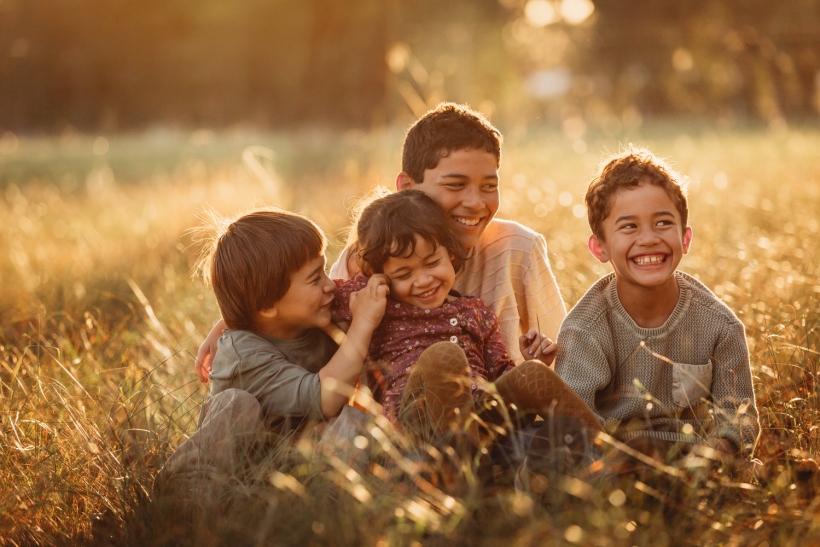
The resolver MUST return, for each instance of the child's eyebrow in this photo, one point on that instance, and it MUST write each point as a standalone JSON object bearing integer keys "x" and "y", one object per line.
{"x": 493, "y": 176}
{"x": 625, "y": 217}
{"x": 391, "y": 273}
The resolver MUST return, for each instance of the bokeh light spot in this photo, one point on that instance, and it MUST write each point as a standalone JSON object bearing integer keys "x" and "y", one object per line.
{"x": 100, "y": 146}
{"x": 398, "y": 56}
{"x": 579, "y": 146}
{"x": 574, "y": 534}
{"x": 540, "y": 13}
{"x": 682, "y": 60}
{"x": 617, "y": 498}
{"x": 576, "y": 12}
{"x": 565, "y": 199}
{"x": 579, "y": 211}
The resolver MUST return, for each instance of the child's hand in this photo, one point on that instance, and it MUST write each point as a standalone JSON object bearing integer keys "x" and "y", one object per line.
{"x": 369, "y": 303}
{"x": 535, "y": 345}
{"x": 204, "y": 361}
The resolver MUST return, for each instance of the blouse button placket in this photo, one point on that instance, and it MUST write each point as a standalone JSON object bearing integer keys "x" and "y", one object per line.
{"x": 453, "y": 321}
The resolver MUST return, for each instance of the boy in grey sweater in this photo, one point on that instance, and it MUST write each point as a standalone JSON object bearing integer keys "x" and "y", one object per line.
{"x": 655, "y": 354}
{"x": 268, "y": 273}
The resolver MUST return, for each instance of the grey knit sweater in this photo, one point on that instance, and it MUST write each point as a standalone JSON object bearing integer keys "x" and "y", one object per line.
{"x": 687, "y": 380}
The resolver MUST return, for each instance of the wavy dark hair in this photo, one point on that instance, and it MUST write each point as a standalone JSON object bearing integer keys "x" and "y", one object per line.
{"x": 442, "y": 131}
{"x": 629, "y": 169}
{"x": 388, "y": 226}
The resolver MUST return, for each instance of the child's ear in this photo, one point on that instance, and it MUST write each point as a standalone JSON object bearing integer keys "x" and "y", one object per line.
{"x": 687, "y": 239}
{"x": 597, "y": 248}
{"x": 404, "y": 181}
{"x": 268, "y": 313}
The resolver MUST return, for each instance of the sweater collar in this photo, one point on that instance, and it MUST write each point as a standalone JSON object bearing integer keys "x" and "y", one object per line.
{"x": 684, "y": 299}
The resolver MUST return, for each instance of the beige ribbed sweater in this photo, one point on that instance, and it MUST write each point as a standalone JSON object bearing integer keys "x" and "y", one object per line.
{"x": 509, "y": 271}
{"x": 705, "y": 380}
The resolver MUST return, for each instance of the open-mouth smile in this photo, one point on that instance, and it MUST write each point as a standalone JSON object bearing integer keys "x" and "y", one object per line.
{"x": 468, "y": 221}
{"x": 649, "y": 260}
{"x": 427, "y": 294}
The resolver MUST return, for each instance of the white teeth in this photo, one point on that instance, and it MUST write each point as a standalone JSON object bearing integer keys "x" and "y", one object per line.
{"x": 653, "y": 259}
{"x": 467, "y": 221}
{"x": 428, "y": 293}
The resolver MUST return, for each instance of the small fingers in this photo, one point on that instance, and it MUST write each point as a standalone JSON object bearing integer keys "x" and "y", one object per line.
{"x": 202, "y": 371}
{"x": 548, "y": 346}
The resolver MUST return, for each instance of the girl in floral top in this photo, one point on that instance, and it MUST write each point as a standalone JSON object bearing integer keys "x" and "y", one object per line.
{"x": 437, "y": 353}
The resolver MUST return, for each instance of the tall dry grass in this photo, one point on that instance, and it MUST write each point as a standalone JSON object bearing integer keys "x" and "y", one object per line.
{"x": 100, "y": 320}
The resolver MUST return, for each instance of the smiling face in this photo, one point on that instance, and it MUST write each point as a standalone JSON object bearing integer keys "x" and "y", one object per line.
{"x": 304, "y": 306}
{"x": 465, "y": 186}
{"x": 643, "y": 238}
{"x": 422, "y": 279}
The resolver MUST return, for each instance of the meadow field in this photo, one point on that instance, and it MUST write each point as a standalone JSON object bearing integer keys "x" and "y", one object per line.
{"x": 100, "y": 318}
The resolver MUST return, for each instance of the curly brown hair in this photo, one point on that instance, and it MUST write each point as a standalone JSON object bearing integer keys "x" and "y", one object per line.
{"x": 632, "y": 167}
{"x": 389, "y": 225}
{"x": 445, "y": 129}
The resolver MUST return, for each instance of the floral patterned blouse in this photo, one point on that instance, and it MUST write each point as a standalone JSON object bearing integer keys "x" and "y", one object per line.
{"x": 406, "y": 331}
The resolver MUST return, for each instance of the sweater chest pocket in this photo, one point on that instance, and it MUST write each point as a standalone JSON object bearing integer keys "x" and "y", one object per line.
{"x": 690, "y": 383}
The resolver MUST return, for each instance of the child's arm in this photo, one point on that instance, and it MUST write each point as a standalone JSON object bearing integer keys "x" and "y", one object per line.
{"x": 207, "y": 351}
{"x": 339, "y": 375}
{"x": 735, "y": 412}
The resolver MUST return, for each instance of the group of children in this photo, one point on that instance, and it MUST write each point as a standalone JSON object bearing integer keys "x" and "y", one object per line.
{"x": 441, "y": 304}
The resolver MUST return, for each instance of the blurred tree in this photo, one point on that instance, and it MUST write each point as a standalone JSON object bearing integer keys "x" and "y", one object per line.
{"x": 731, "y": 58}
{"x": 120, "y": 64}
{"x": 116, "y": 64}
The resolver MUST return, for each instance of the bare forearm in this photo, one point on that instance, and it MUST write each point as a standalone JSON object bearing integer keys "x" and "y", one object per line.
{"x": 207, "y": 351}
{"x": 339, "y": 375}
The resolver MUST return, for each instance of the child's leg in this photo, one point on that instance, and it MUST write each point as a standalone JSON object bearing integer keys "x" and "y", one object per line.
{"x": 438, "y": 397}
{"x": 535, "y": 388}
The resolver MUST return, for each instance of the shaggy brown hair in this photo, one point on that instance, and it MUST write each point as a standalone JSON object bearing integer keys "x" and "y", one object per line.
{"x": 445, "y": 129}
{"x": 252, "y": 259}
{"x": 388, "y": 227}
{"x": 631, "y": 168}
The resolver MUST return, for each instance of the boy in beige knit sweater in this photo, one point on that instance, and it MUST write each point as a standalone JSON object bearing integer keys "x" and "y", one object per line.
{"x": 452, "y": 154}
{"x": 660, "y": 360}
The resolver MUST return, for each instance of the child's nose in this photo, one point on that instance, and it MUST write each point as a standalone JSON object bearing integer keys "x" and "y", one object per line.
{"x": 471, "y": 198}
{"x": 647, "y": 236}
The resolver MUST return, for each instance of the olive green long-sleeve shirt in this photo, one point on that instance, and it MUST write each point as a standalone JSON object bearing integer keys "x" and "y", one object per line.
{"x": 281, "y": 374}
